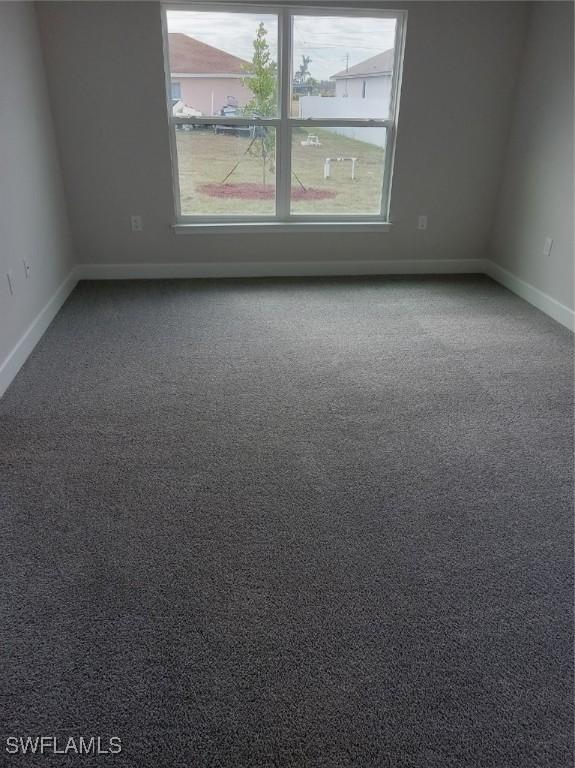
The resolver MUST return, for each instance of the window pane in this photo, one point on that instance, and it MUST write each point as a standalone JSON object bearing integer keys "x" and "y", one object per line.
{"x": 225, "y": 169}
{"x": 225, "y": 63}
{"x": 337, "y": 170}
{"x": 342, "y": 66}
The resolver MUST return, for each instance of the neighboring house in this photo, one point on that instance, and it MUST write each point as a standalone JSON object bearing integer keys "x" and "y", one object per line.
{"x": 361, "y": 91}
{"x": 206, "y": 79}
{"x": 370, "y": 79}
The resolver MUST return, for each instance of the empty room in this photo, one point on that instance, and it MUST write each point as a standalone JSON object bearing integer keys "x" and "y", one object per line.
{"x": 286, "y": 384}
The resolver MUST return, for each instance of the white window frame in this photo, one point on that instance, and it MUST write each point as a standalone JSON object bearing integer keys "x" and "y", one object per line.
{"x": 283, "y": 125}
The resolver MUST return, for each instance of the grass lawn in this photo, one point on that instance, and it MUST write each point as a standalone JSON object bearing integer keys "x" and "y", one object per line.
{"x": 205, "y": 158}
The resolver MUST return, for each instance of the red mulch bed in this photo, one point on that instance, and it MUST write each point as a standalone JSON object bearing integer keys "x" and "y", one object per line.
{"x": 259, "y": 192}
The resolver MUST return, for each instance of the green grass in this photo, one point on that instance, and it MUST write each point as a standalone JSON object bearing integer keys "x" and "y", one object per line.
{"x": 206, "y": 158}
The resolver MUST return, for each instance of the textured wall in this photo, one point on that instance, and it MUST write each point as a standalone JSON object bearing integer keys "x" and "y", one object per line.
{"x": 536, "y": 197}
{"x": 33, "y": 223}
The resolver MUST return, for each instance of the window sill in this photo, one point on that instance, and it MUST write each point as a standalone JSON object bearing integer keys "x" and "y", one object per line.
{"x": 222, "y": 227}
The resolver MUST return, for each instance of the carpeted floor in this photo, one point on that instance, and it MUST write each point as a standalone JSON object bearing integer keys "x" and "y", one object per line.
{"x": 291, "y": 523}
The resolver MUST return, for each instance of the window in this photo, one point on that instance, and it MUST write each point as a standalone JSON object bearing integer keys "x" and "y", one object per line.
{"x": 274, "y": 119}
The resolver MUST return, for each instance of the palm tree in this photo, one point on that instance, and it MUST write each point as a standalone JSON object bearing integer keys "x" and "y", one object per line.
{"x": 303, "y": 72}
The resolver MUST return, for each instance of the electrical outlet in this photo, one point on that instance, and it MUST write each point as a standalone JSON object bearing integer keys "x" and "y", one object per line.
{"x": 136, "y": 223}
{"x": 11, "y": 283}
{"x": 422, "y": 221}
{"x": 548, "y": 246}
{"x": 27, "y": 268}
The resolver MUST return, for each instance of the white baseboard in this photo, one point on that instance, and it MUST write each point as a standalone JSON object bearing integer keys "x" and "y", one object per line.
{"x": 18, "y": 355}
{"x": 533, "y": 295}
{"x": 538, "y": 298}
{"x": 10, "y": 366}
{"x": 279, "y": 269}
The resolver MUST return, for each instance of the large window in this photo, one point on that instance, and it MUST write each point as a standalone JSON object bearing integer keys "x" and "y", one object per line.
{"x": 282, "y": 115}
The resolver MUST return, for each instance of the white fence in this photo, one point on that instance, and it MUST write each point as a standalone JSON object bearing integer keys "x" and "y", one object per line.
{"x": 336, "y": 106}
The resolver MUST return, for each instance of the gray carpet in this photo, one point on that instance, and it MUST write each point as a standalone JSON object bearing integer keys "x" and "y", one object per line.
{"x": 291, "y": 523}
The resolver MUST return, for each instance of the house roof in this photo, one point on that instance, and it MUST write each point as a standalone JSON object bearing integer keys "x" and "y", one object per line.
{"x": 191, "y": 56}
{"x": 377, "y": 65}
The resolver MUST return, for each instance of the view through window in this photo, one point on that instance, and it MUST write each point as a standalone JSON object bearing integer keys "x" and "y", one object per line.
{"x": 282, "y": 115}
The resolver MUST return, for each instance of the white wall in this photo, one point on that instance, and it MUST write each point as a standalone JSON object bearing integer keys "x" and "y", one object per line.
{"x": 339, "y": 106}
{"x": 105, "y": 69}
{"x": 536, "y": 196}
{"x": 33, "y": 223}
{"x": 375, "y": 88}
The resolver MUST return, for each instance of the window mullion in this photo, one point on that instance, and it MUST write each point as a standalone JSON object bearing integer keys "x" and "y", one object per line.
{"x": 221, "y": 120}
{"x": 389, "y": 151}
{"x": 324, "y": 122}
{"x": 283, "y": 150}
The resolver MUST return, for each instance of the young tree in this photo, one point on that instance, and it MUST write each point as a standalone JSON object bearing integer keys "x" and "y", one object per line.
{"x": 262, "y": 82}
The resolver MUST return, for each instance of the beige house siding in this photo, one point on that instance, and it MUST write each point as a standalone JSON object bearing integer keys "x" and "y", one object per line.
{"x": 210, "y": 94}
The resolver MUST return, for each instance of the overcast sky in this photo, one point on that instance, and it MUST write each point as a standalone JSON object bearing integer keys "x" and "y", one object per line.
{"x": 328, "y": 40}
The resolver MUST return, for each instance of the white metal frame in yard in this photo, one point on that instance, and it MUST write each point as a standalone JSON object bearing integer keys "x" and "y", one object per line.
{"x": 284, "y": 123}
